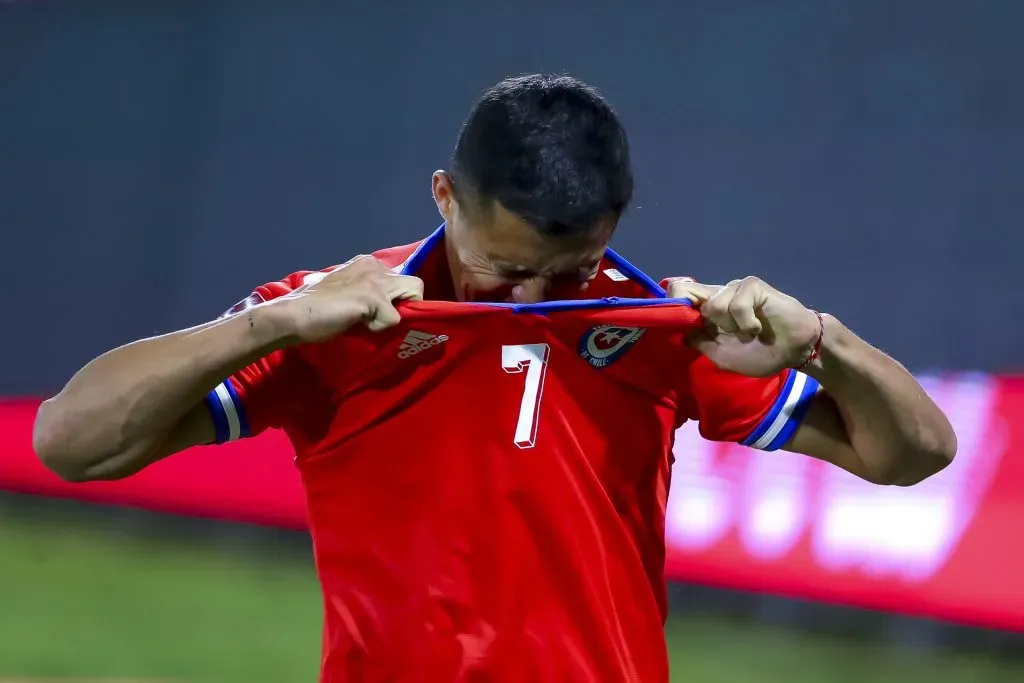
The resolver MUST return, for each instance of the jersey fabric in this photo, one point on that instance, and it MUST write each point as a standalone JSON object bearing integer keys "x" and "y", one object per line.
{"x": 486, "y": 484}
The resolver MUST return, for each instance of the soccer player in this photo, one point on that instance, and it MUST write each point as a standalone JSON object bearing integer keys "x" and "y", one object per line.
{"x": 487, "y": 484}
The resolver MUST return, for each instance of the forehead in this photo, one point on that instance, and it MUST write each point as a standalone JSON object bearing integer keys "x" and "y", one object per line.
{"x": 507, "y": 239}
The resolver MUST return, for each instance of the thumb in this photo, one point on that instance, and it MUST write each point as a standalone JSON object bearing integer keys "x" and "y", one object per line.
{"x": 382, "y": 316}
{"x": 405, "y": 288}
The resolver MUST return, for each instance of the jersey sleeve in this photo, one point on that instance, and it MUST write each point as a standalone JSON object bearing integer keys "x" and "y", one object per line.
{"x": 264, "y": 394}
{"x": 762, "y": 413}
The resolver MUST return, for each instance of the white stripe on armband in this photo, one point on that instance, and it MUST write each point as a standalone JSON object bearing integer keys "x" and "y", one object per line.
{"x": 788, "y": 410}
{"x": 226, "y": 410}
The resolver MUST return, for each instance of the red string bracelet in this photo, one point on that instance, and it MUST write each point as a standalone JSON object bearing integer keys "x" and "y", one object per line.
{"x": 816, "y": 351}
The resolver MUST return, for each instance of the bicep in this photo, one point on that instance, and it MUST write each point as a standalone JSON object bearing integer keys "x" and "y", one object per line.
{"x": 790, "y": 412}
{"x": 195, "y": 429}
{"x": 822, "y": 435}
{"x": 241, "y": 406}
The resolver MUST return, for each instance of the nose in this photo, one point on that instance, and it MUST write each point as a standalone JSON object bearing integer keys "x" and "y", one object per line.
{"x": 530, "y": 291}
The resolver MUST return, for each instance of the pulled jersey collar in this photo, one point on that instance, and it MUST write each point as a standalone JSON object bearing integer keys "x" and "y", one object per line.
{"x": 415, "y": 261}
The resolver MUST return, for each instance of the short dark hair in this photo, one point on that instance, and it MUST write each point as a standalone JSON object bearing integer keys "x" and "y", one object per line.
{"x": 549, "y": 149}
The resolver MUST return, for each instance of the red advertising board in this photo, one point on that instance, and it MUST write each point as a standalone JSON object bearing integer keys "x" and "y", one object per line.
{"x": 950, "y": 547}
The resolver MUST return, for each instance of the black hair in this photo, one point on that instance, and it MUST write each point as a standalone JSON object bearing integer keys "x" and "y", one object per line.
{"x": 549, "y": 149}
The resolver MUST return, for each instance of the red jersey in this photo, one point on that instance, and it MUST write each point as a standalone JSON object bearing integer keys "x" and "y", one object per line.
{"x": 486, "y": 484}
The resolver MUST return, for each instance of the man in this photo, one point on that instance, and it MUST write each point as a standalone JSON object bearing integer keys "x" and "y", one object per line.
{"x": 450, "y": 548}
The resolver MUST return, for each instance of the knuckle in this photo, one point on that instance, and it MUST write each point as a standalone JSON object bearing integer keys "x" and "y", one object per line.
{"x": 352, "y": 265}
{"x": 363, "y": 265}
{"x": 751, "y": 280}
{"x": 737, "y": 305}
{"x": 714, "y": 309}
{"x": 719, "y": 301}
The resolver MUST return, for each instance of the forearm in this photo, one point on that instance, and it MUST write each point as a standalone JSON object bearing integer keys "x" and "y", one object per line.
{"x": 126, "y": 401}
{"x": 900, "y": 434}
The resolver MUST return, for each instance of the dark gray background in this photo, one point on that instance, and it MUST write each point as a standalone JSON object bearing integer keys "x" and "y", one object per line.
{"x": 159, "y": 159}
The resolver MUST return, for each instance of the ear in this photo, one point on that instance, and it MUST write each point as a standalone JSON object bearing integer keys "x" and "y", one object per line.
{"x": 444, "y": 195}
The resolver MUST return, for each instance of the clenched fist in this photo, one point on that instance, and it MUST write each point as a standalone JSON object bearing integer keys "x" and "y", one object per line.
{"x": 362, "y": 290}
{"x": 750, "y": 327}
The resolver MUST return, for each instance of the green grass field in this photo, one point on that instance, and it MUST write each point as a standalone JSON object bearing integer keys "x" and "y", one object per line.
{"x": 77, "y": 602}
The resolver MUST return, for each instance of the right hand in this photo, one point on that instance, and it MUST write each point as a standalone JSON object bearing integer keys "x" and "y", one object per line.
{"x": 361, "y": 290}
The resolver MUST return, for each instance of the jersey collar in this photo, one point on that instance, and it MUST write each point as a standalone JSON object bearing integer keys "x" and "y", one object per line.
{"x": 415, "y": 261}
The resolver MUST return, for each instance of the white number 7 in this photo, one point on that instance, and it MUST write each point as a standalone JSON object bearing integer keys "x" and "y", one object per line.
{"x": 533, "y": 358}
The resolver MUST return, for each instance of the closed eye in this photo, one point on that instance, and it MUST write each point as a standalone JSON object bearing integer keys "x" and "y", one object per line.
{"x": 581, "y": 274}
{"x": 517, "y": 274}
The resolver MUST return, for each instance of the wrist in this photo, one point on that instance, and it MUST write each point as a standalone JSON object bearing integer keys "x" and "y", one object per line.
{"x": 272, "y": 324}
{"x": 834, "y": 339}
{"x": 815, "y": 337}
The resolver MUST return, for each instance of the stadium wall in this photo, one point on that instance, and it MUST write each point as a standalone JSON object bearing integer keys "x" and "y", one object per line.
{"x": 749, "y": 520}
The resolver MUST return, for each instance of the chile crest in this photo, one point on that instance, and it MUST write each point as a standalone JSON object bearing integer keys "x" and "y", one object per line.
{"x": 603, "y": 345}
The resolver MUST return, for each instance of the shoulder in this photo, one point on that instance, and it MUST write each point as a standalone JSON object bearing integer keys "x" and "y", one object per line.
{"x": 611, "y": 281}
{"x": 392, "y": 257}
{"x": 286, "y": 285}
{"x": 395, "y": 257}
{"x": 277, "y": 288}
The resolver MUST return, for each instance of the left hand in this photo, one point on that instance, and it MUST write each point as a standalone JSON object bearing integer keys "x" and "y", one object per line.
{"x": 750, "y": 327}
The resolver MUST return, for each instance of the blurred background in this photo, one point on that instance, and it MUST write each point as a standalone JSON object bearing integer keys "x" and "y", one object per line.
{"x": 159, "y": 159}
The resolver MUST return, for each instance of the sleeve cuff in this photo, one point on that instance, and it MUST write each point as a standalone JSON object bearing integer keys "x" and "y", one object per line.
{"x": 786, "y": 413}
{"x": 228, "y": 416}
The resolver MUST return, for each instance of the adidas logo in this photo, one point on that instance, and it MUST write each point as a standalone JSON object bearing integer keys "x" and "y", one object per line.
{"x": 417, "y": 342}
